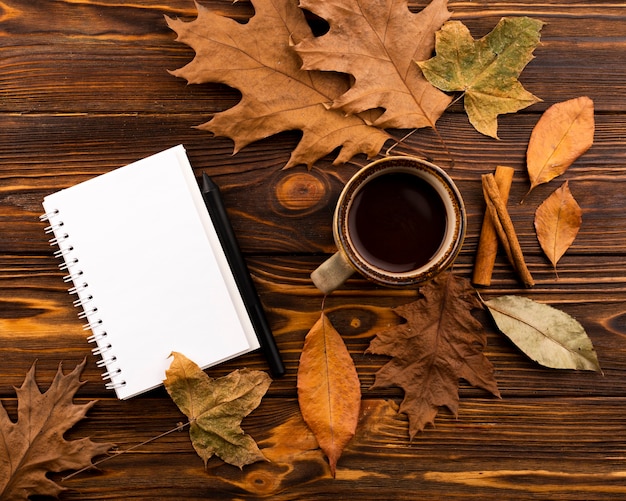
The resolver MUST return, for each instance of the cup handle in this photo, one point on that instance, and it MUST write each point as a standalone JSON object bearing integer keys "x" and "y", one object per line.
{"x": 332, "y": 273}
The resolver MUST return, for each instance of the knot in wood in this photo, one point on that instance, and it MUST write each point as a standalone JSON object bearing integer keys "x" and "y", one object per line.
{"x": 263, "y": 482}
{"x": 300, "y": 191}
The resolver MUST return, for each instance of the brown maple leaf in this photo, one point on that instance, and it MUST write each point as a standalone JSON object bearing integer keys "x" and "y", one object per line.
{"x": 379, "y": 44}
{"x": 440, "y": 343}
{"x": 259, "y": 60}
{"x": 34, "y": 445}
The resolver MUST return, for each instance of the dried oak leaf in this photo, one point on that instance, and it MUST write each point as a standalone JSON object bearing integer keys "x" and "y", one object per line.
{"x": 216, "y": 407}
{"x": 563, "y": 133}
{"x": 378, "y": 44}
{"x": 329, "y": 392}
{"x": 259, "y": 60}
{"x": 35, "y": 445}
{"x": 485, "y": 70}
{"x": 557, "y": 221}
{"x": 439, "y": 343}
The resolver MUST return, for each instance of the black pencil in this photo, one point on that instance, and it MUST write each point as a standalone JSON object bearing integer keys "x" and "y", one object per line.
{"x": 217, "y": 211}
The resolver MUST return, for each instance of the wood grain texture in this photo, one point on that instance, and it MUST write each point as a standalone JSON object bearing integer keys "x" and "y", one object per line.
{"x": 85, "y": 88}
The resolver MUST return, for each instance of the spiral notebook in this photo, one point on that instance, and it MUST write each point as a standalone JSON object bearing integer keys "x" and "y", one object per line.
{"x": 145, "y": 262}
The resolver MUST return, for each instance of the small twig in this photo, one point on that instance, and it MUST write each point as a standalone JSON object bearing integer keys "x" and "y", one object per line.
{"x": 401, "y": 140}
{"x": 116, "y": 454}
{"x": 504, "y": 228}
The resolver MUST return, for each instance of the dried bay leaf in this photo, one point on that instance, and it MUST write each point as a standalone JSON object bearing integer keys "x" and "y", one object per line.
{"x": 329, "y": 392}
{"x": 485, "y": 70}
{"x": 258, "y": 59}
{"x": 548, "y": 336}
{"x": 439, "y": 343}
{"x": 557, "y": 221}
{"x": 35, "y": 445}
{"x": 563, "y": 133}
{"x": 378, "y": 43}
{"x": 216, "y": 407}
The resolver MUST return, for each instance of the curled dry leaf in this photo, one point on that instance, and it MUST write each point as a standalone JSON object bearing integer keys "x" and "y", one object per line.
{"x": 329, "y": 392}
{"x": 258, "y": 59}
{"x": 439, "y": 343}
{"x": 378, "y": 43}
{"x": 548, "y": 336}
{"x": 485, "y": 70}
{"x": 557, "y": 221}
{"x": 35, "y": 445}
{"x": 562, "y": 134}
{"x": 216, "y": 407}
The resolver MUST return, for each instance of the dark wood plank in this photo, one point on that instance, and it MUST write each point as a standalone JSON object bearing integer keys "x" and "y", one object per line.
{"x": 122, "y": 52}
{"x": 264, "y": 200}
{"x": 85, "y": 88}
{"x": 495, "y": 449}
{"x": 38, "y": 319}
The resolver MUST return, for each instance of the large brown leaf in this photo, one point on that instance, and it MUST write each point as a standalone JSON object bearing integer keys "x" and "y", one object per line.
{"x": 259, "y": 60}
{"x": 379, "y": 43}
{"x": 562, "y": 134}
{"x": 439, "y": 343}
{"x": 557, "y": 221}
{"x": 329, "y": 392}
{"x": 35, "y": 445}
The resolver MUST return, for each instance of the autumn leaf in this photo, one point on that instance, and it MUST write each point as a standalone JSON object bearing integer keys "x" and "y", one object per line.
{"x": 35, "y": 445}
{"x": 329, "y": 392}
{"x": 259, "y": 60}
{"x": 439, "y": 343}
{"x": 548, "y": 336}
{"x": 557, "y": 221}
{"x": 216, "y": 407}
{"x": 562, "y": 134}
{"x": 485, "y": 70}
{"x": 378, "y": 43}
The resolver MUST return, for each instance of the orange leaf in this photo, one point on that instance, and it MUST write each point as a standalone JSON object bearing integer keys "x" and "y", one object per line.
{"x": 557, "y": 221}
{"x": 379, "y": 43}
{"x": 562, "y": 134}
{"x": 329, "y": 392}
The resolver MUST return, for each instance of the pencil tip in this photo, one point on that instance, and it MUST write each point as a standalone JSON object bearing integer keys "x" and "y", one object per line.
{"x": 207, "y": 183}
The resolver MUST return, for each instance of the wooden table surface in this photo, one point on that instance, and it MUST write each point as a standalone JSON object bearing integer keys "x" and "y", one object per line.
{"x": 85, "y": 88}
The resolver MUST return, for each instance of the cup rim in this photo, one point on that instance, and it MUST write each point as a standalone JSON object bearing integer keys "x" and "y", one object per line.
{"x": 412, "y": 277}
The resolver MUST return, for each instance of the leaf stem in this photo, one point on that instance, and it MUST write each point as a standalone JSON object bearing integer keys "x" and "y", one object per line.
{"x": 118, "y": 453}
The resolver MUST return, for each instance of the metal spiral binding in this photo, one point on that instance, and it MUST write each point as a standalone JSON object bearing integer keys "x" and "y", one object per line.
{"x": 89, "y": 311}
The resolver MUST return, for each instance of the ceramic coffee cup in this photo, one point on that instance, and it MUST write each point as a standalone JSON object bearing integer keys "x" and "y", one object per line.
{"x": 399, "y": 222}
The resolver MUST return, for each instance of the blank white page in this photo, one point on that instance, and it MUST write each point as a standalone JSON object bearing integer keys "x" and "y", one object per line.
{"x": 140, "y": 241}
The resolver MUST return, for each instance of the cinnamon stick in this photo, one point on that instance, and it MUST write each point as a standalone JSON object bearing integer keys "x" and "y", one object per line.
{"x": 504, "y": 228}
{"x": 488, "y": 242}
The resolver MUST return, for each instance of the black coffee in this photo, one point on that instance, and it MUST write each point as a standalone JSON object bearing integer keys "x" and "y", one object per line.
{"x": 397, "y": 222}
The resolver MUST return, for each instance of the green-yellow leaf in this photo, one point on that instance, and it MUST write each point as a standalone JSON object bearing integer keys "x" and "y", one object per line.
{"x": 485, "y": 70}
{"x": 216, "y": 407}
{"x": 548, "y": 336}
